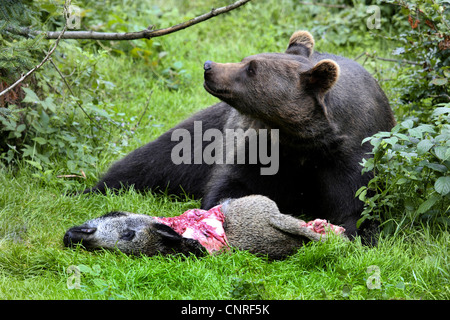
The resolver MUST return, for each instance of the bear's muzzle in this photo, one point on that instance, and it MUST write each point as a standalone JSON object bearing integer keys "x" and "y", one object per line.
{"x": 207, "y": 65}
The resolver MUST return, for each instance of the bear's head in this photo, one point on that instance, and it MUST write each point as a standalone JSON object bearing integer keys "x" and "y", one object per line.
{"x": 131, "y": 233}
{"x": 283, "y": 90}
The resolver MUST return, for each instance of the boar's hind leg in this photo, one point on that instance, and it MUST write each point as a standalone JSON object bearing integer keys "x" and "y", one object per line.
{"x": 294, "y": 226}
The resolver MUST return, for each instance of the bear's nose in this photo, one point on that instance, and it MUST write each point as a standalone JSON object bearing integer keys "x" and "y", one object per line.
{"x": 207, "y": 65}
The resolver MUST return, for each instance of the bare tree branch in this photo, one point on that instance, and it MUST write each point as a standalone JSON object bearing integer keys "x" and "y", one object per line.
{"x": 147, "y": 33}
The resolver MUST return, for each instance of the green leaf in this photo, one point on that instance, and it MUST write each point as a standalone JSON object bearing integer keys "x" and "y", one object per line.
{"x": 428, "y": 204}
{"x": 375, "y": 142}
{"x": 392, "y": 141}
{"x": 442, "y": 185}
{"x": 40, "y": 140}
{"x": 424, "y": 146}
{"x": 361, "y": 220}
{"x": 410, "y": 204}
{"x": 44, "y": 119}
{"x": 341, "y": 271}
{"x": 135, "y": 52}
{"x": 439, "y": 81}
{"x": 31, "y": 96}
{"x": 49, "y": 7}
{"x": 366, "y": 139}
{"x": 48, "y": 104}
{"x": 402, "y": 181}
{"x": 21, "y": 127}
{"x": 402, "y": 136}
{"x": 407, "y": 124}
{"x": 84, "y": 268}
{"x": 447, "y": 72}
{"x": 440, "y": 110}
{"x": 35, "y": 164}
{"x": 178, "y": 65}
{"x": 442, "y": 152}
{"x": 27, "y": 151}
{"x": 362, "y": 195}
{"x": 437, "y": 167}
{"x": 400, "y": 285}
{"x": 96, "y": 269}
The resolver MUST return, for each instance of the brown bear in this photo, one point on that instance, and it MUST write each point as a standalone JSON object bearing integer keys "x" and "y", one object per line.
{"x": 313, "y": 109}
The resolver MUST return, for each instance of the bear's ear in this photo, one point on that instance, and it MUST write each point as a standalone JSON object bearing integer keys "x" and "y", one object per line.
{"x": 322, "y": 76}
{"x": 301, "y": 43}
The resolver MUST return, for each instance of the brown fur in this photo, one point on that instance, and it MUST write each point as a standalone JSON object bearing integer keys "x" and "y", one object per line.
{"x": 301, "y": 42}
{"x": 323, "y": 105}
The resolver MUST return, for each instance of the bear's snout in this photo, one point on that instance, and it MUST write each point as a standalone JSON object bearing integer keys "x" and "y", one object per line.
{"x": 207, "y": 66}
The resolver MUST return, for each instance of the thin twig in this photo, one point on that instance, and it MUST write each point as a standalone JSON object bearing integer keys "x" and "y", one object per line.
{"x": 326, "y": 5}
{"x": 397, "y": 60}
{"x": 147, "y": 33}
{"x": 359, "y": 56}
{"x": 73, "y": 94}
{"x": 23, "y": 77}
{"x": 145, "y": 109}
{"x": 387, "y": 59}
{"x": 443, "y": 95}
{"x": 83, "y": 175}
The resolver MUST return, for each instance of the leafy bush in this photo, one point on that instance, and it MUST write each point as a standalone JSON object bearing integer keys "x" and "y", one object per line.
{"x": 412, "y": 165}
{"x": 70, "y": 124}
{"x": 412, "y": 162}
{"x": 20, "y": 52}
{"x": 63, "y": 117}
{"x": 424, "y": 82}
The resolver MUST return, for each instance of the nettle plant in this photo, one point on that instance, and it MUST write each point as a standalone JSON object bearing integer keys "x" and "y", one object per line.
{"x": 412, "y": 181}
{"x": 62, "y": 126}
{"x": 411, "y": 164}
{"x": 424, "y": 41}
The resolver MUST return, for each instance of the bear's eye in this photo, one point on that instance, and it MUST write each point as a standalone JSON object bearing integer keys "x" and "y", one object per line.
{"x": 128, "y": 235}
{"x": 251, "y": 68}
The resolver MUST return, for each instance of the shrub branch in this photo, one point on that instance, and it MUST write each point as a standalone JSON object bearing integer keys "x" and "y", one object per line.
{"x": 26, "y": 75}
{"x": 147, "y": 33}
{"x": 55, "y": 45}
{"x": 367, "y": 54}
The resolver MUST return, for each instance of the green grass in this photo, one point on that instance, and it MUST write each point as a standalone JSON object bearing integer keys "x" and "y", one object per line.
{"x": 35, "y": 213}
{"x": 34, "y": 263}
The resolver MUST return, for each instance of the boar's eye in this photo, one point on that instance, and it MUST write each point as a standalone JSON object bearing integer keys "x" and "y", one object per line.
{"x": 251, "y": 68}
{"x": 128, "y": 235}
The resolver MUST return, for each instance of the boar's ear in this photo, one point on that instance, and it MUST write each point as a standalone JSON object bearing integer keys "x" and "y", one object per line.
{"x": 301, "y": 43}
{"x": 321, "y": 77}
{"x": 166, "y": 232}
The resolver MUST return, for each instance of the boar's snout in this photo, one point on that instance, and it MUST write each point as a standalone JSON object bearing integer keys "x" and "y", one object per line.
{"x": 77, "y": 235}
